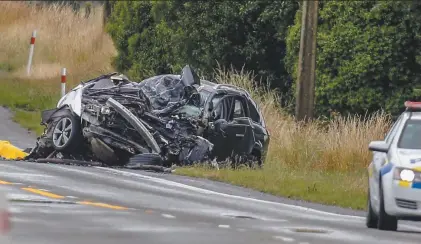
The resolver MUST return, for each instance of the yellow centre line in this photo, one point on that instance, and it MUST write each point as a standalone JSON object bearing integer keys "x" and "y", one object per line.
{"x": 5, "y": 183}
{"x": 104, "y": 205}
{"x": 43, "y": 193}
{"x": 52, "y": 195}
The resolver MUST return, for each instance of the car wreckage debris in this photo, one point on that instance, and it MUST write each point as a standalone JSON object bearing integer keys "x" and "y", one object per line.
{"x": 134, "y": 121}
{"x": 154, "y": 124}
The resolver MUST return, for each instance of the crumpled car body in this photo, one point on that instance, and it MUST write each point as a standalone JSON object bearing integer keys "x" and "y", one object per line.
{"x": 166, "y": 119}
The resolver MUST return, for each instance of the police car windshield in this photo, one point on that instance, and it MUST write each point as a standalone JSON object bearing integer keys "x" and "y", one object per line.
{"x": 411, "y": 135}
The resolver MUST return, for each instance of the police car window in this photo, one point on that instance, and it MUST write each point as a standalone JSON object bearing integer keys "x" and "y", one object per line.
{"x": 392, "y": 131}
{"x": 411, "y": 135}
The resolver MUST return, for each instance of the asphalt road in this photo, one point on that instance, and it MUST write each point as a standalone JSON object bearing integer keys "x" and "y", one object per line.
{"x": 75, "y": 204}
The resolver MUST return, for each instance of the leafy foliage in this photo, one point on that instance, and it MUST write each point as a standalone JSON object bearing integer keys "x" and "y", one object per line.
{"x": 368, "y": 53}
{"x": 367, "y": 57}
{"x": 159, "y": 37}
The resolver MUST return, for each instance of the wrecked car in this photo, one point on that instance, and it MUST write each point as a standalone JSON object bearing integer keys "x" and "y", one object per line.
{"x": 163, "y": 120}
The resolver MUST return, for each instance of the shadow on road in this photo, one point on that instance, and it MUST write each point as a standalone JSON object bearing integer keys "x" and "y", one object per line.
{"x": 409, "y": 231}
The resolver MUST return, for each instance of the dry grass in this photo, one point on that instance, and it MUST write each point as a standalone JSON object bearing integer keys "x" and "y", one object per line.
{"x": 340, "y": 144}
{"x": 323, "y": 161}
{"x": 64, "y": 39}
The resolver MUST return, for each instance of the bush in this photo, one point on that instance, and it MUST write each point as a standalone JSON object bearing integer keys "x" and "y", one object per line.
{"x": 368, "y": 55}
{"x": 161, "y": 37}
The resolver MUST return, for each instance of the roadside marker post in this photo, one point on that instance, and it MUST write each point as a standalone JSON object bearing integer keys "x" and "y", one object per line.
{"x": 63, "y": 82}
{"x": 31, "y": 52}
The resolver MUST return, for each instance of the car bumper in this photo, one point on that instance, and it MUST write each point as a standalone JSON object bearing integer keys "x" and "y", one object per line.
{"x": 402, "y": 199}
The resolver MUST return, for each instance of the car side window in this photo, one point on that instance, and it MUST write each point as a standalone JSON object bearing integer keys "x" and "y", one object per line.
{"x": 222, "y": 107}
{"x": 253, "y": 114}
{"x": 389, "y": 137}
{"x": 239, "y": 110}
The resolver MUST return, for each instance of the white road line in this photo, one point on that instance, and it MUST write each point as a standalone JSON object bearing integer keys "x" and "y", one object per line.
{"x": 15, "y": 210}
{"x": 285, "y": 239}
{"x": 168, "y": 216}
{"x": 224, "y": 226}
{"x": 72, "y": 197}
{"x": 204, "y": 191}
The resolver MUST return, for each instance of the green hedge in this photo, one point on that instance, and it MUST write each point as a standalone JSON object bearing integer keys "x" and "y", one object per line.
{"x": 368, "y": 52}
{"x": 368, "y": 55}
{"x": 161, "y": 37}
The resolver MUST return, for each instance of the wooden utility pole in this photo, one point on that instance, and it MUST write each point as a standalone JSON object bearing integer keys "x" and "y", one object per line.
{"x": 306, "y": 76}
{"x": 107, "y": 11}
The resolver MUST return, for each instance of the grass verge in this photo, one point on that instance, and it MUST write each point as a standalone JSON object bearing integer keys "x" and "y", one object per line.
{"x": 323, "y": 161}
{"x": 343, "y": 189}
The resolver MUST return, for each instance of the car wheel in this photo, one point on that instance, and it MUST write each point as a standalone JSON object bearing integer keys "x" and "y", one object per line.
{"x": 145, "y": 159}
{"x": 67, "y": 135}
{"x": 385, "y": 221}
{"x": 371, "y": 217}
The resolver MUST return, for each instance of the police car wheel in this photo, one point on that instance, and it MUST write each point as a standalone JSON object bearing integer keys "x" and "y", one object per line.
{"x": 371, "y": 217}
{"x": 385, "y": 221}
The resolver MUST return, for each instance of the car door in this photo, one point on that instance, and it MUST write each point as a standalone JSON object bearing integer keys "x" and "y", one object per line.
{"x": 229, "y": 139}
{"x": 240, "y": 130}
{"x": 260, "y": 132}
{"x": 380, "y": 159}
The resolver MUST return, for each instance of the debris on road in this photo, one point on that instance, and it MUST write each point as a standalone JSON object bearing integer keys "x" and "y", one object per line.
{"x": 154, "y": 124}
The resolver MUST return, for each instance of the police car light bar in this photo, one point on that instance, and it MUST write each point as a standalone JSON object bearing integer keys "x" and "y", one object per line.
{"x": 413, "y": 105}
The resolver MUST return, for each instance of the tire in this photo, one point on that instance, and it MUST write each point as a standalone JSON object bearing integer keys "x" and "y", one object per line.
{"x": 371, "y": 217}
{"x": 150, "y": 159}
{"x": 385, "y": 221}
{"x": 67, "y": 134}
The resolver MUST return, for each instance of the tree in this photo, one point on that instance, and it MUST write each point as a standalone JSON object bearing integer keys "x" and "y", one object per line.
{"x": 368, "y": 55}
{"x": 163, "y": 36}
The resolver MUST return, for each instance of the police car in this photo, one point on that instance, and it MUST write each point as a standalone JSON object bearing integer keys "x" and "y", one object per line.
{"x": 394, "y": 191}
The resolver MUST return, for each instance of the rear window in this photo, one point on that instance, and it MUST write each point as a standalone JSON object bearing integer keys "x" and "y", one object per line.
{"x": 411, "y": 135}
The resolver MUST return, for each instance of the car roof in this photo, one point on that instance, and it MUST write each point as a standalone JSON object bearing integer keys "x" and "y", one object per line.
{"x": 412, "y": 115}
{"x": 211, "y": 86}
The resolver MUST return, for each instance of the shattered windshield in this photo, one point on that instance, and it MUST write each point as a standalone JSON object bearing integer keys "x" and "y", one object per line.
{"x": 189, "y": 111}
{"x": 163, "y": 90}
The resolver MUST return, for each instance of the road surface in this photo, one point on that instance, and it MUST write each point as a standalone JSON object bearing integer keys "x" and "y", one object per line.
{"x": 76, "y": 204}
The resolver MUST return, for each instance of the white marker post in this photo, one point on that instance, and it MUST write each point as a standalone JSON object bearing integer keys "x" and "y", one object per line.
{"x": 63, "y": 82}
{"x": 31, "y": 52}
